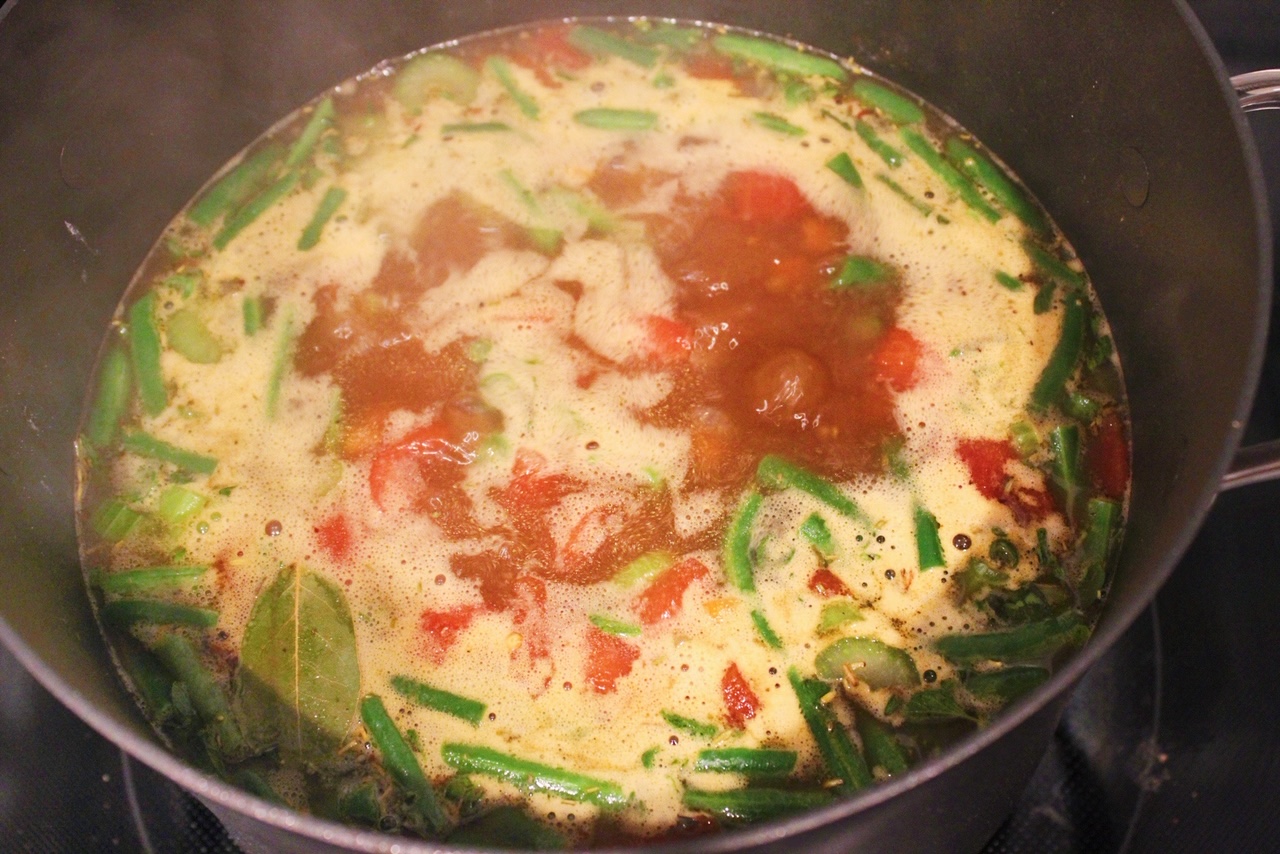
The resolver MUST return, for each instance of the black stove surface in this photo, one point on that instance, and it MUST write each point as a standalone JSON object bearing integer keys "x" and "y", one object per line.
{"x": 1170, "y": 744}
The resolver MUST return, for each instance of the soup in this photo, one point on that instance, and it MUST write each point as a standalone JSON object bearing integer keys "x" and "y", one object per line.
{"x": 599, "y": 431}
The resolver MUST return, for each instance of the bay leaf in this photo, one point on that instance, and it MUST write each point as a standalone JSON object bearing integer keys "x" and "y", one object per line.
{"x": 299, "y": 676}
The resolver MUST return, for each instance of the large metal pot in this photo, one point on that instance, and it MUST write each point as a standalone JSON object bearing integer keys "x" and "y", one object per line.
{"x": 111, "y": 117}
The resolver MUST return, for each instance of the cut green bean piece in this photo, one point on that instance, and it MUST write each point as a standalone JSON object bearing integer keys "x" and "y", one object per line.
{"x": 751, "y": 761}
{"x": 643, "y": 568}
{"x": 1027, "y": 643}
{"x": 471, "y": 711}
{"x": 401, "y": 764}
{"x": 766, "y": 632}
{"x": 649, "y": 756}
{"x": 859, "y": 270}
{"x": 190, "y": 337}
{"x": 531, "y": 776}
{"x": 113, "y": 520}
{"x": 899, "y": 108}
{"x": 254, "y": 208}
{"x": 1064, "y": 446}
{"x": 837, "y": 614}
{"x": 508, "y": 827}
{"x": 815, "y": 530}
{"x": 146, "y": 578}
{"x": 253, "y": 315}
{"x": 207, "y": 696}
{"x": 237, "y": 186}
{"x": 842, "y": 165}
{"x": 1102, "y": 522}
{"x": 774, "y": 122}
{"x": 886, "y": 152}
{"x": 321, "y": 120}
{"x": 280, "y": 364}
{"x": 1006, "y": 684}
{"x": 501, "y": 70}
{"x": 608, "y": 118}
{"x": 779, "y": 57}
{"x": 146, "y": 445}
{"x": 1062, "y": 361}
{"x": 111, "y": 399}
{"x": 951, "y": 176}
{"x": 1053, "y": 266}
{"x": 775, "y": 473}
{"x": 739, "y": 566}
{"x": 128, "y": 612}
{"x": 612, "y": 626}
{"x": 928, "y": 543}
{"x": 329, "y": 204}
{"x": 847, "y": 769}
{"x": 603, "y": 43}
{"x": 870, "y": 661}
{"x": 144, "y": 350}
{"x": 878, "y": 742}
{"x": 677, "y": 38}
{"x": 901, "y": 192}
{"x": 177, "y": 504}
{"x": 755, "y": 804}
{"x": 1081, "y": 406}
{"x": 984, "y": 172}
{"x": 689, "y": 725}
{"x": 474, "y": 127}
{"x": 1013, "y": 283}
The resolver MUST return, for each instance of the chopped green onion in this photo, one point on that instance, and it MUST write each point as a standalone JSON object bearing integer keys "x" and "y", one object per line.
{"x": 901, "y": 192}
{"x": 431, "y": 74}
{"x": 474, "y": 127}
{"x": 773, "y": 122}
{"x": 859, "y": 270}
{"x": 767, "y": 634}
{"x": 113, "y": 520}
{"x": 842, "y": 165}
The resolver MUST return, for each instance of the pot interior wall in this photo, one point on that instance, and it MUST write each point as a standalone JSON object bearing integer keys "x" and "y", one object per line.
{"x": 112, "y": 116}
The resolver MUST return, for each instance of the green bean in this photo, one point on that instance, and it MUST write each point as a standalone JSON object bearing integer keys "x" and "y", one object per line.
{"x": 689, "y": 725}
{"x": 928, "y": 543}
{"x": 254, "y": 208}
{"x": 774, "y": 122}
{"x": 775, "y": 473}
{"x": 613, "y": 626}
{"x": 146, "y": 445}
{"x": 1006, "y": 684}
{"x": 128, "y": 612}
{"x": 1027, "y": 643}
{"x": 508, "y": 827}
{"x": 1064, "y": 446}
{"x": 113, "y": 520}
{"x": 190, "y": 338}
{"x": 280, "y": 363}
{"x": 329, "y": 204}
{"x": 471, "y": 711}
{"x": 890, "y": 155}
{"x": 474, "y": 127}
{"x": 531, "y": 776}
{"x": 755, "y": 804}
{"x": 237, "y": 186}
{"x": 607, "y": 118}
{"x": 871, "y": 661}
{"x": 754, "y": 762}
{"x": 779, "y": 57}
{"x": 844, "y": 763}
{"x": 859, "y": 270}
{"x": 842, "y": 165}
{"x": 766, "y": 632}
{"x": 738, "y": 565}
{"x": 949, "y": 174}
{"x": 144, "y": 349}
{"x": 1103, "y": 519}
{"x": 1053, "y": 266}
{"x": 321, "y": 120}
{"x": 879, "y": 743}
{"x": 207, "y": 696}
{"x": 146, "y": 578}
{"x": 901, "y": 192}
{"x": 111, "y": 399}
{"x": 603, "y": 43}
{"x": 401, "y": 764}
{"x": 501, "y": 70}
{"x": 1063, "y": 359}
{"x": 253, "y": 315}
{"x": 984, "y": 172}
{"x": 899, "y": 108}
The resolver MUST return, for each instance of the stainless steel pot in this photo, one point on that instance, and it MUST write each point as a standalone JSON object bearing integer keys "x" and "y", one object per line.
{"x": 1118, "y": 116}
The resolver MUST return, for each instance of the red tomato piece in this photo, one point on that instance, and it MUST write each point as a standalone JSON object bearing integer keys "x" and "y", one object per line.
{"x": 1108, "y": 457}
{"x": 669, "y": 340}
{"x": 986, "y": 459}
{"x": 764, "y": 197}
{"x": 710, "y": 66}
{"x": 662, "y": 599}
{"x": 609, "y": 659}
{"x": 740, "y": 702}
{"x": 334, "y": 536}
{"x": 430, "y": 455}
{"x": 442, "y": 629}
{"x": 895, "y": 359}
{"x": 824, "y": 582}
{"x": 551, "y": 46}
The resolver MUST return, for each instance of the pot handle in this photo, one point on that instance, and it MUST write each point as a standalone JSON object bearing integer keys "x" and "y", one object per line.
{"x": 1258, "y": 90}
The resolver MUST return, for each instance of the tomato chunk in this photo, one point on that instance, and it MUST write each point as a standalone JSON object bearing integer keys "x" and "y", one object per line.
{"x": 764, "y": 197}
{"x": 740, "y": 702}
{"x": 1109, "y": 457}
{"x": 334, "y": 536}
{"x": 896, "y": 359}
{"x": 609, "y": 659}
{"x": 824, "y": 582}
{"x": 669, "y": 340}
{"x": 986, "y": 459}
{"x": 443, "y": 628}
{"x": 662, "y": 599}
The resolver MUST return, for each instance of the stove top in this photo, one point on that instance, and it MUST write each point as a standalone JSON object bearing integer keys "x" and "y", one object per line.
{"x": 1170, "y": 744}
